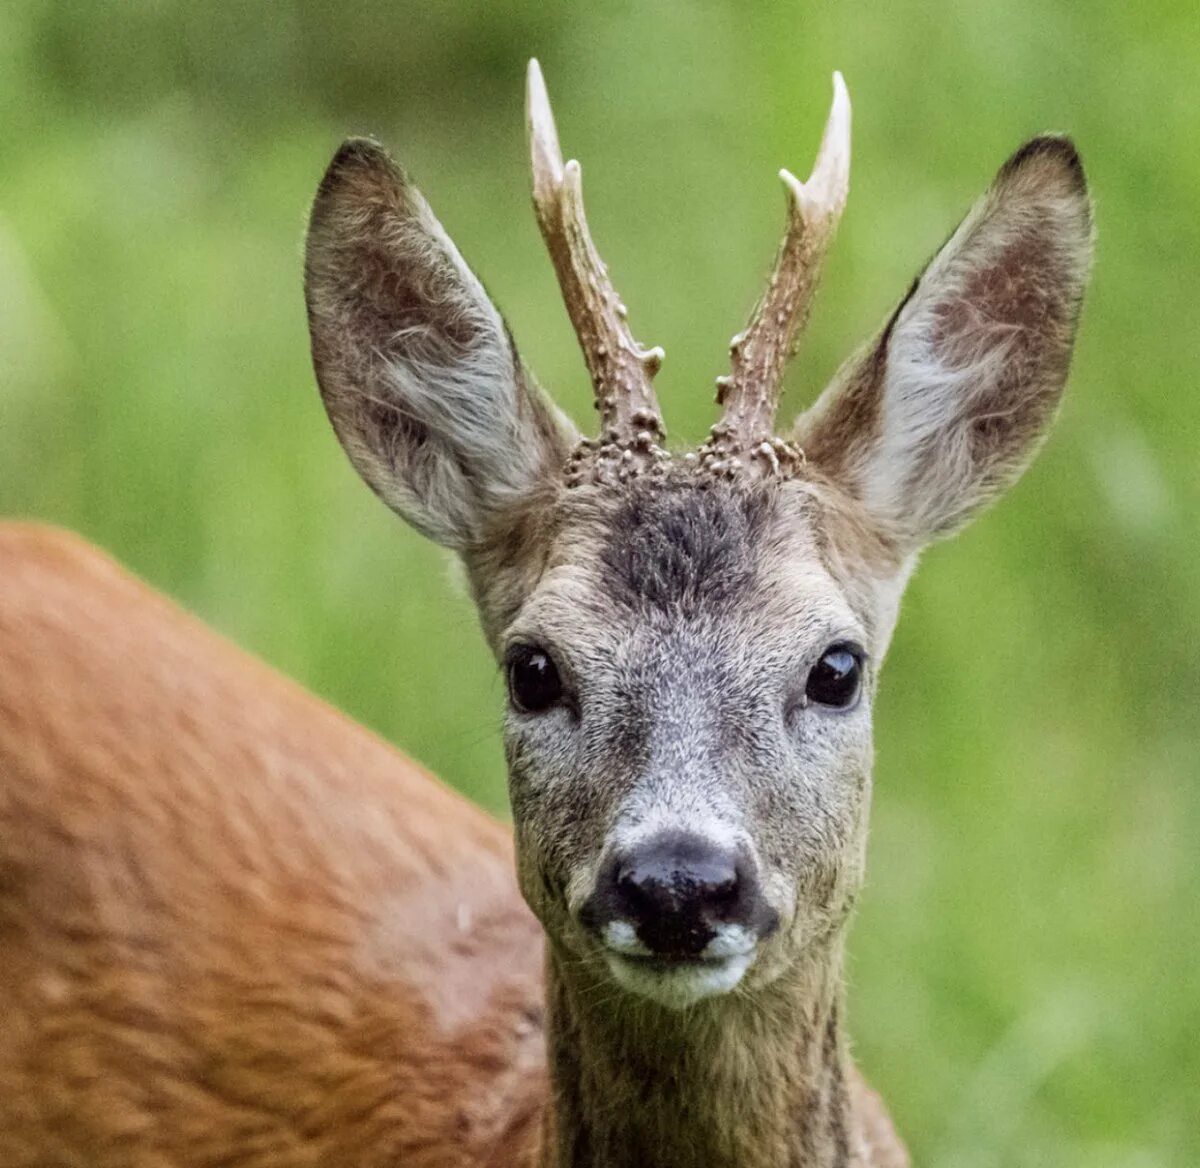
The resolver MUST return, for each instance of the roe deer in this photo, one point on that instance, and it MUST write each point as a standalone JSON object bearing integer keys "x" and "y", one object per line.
{"x": 237, "y": 930}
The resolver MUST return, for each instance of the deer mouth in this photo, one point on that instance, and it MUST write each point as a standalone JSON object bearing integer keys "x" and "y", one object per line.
{"x": 676, "y": 959}
{"x": 678, "y": 981}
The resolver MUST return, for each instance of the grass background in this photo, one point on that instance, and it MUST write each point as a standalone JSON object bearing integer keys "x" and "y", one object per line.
{"x": 1024, "y": 976}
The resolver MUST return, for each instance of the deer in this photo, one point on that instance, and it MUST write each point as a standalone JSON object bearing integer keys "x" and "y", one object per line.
{"x": 240, "y": 930}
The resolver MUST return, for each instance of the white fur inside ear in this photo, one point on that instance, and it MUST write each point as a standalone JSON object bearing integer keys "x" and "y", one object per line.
{"x": 466, "y": 400}
{"x": 929, "y": 387}
{"x": 466, "y": 395}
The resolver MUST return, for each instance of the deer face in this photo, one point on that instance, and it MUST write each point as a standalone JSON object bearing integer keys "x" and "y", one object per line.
{"x": 691, "y": 642}
{"x": 689, "y": 734}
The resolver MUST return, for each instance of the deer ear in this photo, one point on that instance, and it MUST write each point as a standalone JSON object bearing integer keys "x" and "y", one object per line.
{"x": 417, "y": 370}
{"x": 946, "y": 409}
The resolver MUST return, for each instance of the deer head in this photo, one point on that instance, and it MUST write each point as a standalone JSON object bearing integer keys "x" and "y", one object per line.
{"x": 691, "y": 640}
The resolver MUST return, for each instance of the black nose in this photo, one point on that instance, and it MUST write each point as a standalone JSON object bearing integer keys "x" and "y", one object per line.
{"x": 676, "y": 889}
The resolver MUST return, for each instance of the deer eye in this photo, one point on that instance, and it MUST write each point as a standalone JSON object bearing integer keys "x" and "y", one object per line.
{"x": 836, "y": 679}
{"x": 533, "y": 681}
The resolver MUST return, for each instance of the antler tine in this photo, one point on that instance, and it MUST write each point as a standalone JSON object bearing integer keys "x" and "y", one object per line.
{"x": 620, "y": 368}
{"x": 759, "y": 353}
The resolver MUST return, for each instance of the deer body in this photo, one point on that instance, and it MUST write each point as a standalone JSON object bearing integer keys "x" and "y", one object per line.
{"x": 691, "y": 643}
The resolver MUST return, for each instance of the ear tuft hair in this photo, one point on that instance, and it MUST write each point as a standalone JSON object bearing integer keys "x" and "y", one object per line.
{"x": 1057, "y": 153}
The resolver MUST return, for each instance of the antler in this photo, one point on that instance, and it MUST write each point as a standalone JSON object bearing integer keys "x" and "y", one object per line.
{"x": 759, "y": 353}
{"x": 621, "y": 369}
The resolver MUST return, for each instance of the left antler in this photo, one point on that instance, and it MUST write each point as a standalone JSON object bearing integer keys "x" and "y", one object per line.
{"x": 621, "y": 369}
{"x": 759, "y": 353}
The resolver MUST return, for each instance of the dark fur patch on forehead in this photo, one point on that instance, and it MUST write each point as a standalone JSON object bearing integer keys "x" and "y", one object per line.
{"x": 684, "y": 547}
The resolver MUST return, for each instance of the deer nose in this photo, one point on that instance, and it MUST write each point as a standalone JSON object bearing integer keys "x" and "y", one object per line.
{"x": 676, "y": 890}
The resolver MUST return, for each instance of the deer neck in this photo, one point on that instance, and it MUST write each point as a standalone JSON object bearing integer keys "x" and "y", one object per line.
{"x": 755, "y": 1080}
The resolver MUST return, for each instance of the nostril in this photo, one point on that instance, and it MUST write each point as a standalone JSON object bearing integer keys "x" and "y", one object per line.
{"x": 725, "y": 892}
{"x": 650, "y": 889}
{"x": 634, "y": 887}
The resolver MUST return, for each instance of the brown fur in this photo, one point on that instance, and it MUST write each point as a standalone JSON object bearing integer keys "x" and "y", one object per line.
{"x": 235, "y": 928}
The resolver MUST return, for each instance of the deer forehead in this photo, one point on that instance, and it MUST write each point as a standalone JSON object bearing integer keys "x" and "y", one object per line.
{"x": 730, "y": 570}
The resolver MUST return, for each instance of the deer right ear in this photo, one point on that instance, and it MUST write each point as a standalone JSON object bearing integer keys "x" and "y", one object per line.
{"x": 416, "y": 368}
{"x": 945, "y": 410}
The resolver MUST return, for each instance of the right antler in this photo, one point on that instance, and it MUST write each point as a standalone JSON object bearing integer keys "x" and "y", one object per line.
{"x": 759, "y": 353}
{"x": 620, "y": 368}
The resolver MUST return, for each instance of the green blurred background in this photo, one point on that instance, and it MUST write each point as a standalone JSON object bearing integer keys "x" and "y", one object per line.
{"x": 1024, "y": 976}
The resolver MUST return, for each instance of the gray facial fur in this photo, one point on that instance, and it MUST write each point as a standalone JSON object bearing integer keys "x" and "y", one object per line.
{"x": 684, "y": 645}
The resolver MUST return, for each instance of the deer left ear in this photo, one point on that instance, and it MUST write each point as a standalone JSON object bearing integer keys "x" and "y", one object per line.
{"x": 945, "y": 410}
